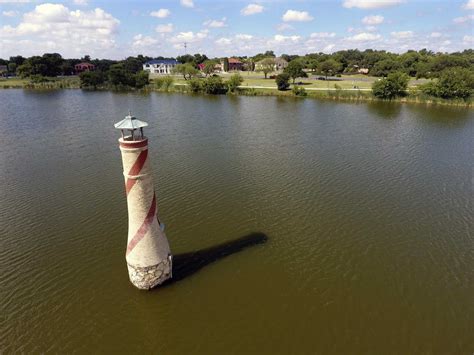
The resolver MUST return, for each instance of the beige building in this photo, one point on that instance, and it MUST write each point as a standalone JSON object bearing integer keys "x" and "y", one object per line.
{"x": 279, "y": 64}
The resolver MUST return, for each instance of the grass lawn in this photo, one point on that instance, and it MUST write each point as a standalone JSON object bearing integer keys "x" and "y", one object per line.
{"x": 346, "y": 82}
{"x": 13, "y": 82}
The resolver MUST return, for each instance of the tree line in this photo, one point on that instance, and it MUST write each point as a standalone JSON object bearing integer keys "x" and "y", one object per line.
{"x": 453, "y": 72}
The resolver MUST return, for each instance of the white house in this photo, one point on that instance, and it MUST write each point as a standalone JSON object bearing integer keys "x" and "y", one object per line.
{"x": 160, "y": 66}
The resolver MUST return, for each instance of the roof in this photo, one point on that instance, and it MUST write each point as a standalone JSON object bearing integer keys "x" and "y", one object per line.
{"x": 84, "y": 63}
{"x": 162, "y": 61}
{"x": 234, "y": 61}
{"x": 130, "y": 122}
{"x": 280, "y": 60}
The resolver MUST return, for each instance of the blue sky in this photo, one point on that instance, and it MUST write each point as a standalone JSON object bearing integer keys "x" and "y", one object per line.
{"x": 117, "y": 29}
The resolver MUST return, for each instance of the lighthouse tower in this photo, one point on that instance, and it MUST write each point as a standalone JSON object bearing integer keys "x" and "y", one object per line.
{"x": 148, "y": 253}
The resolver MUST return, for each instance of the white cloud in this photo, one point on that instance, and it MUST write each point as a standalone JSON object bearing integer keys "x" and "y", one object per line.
{"x": 469, "y": 40}
{"x": 81, "y": 2}
{"x": 189, "y": 37}
{"x": 144, "y": 41}
{"x": 281, "y": 38}
{"x": 223, "y": 41}
{"x": 364, "y": 36}
{"x": 251, "y": 9}
{"x": 328, "y": 48}
{"x": 164, "y": 28}
{"x": 469, "y": 5}
{"x": 161, "y": 13}
{"x": 370, "y": 4}
{"x": 322, "y": 35}
{"x": 435, "y": 35}
{"x": 402, "y": 34}
{"x": 243, "y": 37}
{"x": 293, "y": 15}
{"x": 215, "y": 23}
{"x": 187, "y": 3}
{"x": 372, "y": 20}
{"x": 10, "y": 13}
{"x": 460, "y": 20}
{"x": 284, "y": 27}
{"x": 53, "y": 27}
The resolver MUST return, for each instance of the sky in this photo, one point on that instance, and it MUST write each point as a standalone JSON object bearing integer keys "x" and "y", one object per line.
{"x": 118, "y": 29}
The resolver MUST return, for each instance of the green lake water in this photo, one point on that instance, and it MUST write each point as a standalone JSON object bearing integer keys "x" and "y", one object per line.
{"x": 368, "y": 209}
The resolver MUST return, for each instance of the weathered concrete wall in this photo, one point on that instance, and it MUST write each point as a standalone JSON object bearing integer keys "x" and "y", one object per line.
{"x": 148, "y": 252}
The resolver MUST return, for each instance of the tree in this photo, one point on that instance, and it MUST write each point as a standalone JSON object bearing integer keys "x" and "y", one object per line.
{"x": 18, "y": 60}
{"x": 141, "y": 79}
{"x": 186, "y": 70}
{"x": 199, "y": 58}
{"x": 25, "y": 70}
{"x": 330, "y": 67}
{"x": 67, "y": 68}
{"x": 282, "y": 81}
{"x": 52, "y": 63}
{"x": 119, "y": 76}
{"x": 394, "y": 85}
{"x": 453, "y": 83}
{"x": 384, "y": 67}
{"x": 209, "y": 67}
{"x": 132, "y": 65}
{"x": 267, "y": 65}
{"x": 226, "y": 64}
{"x": 295, "y": 70}
{"x": 12, "y": 67}
{"x": 234, "y": 82}
{"x": 91, "y": 79}
{"x": 187, "y": 58}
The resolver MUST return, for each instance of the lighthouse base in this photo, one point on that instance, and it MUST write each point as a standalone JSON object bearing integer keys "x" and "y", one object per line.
{"x": 148, "y": 277}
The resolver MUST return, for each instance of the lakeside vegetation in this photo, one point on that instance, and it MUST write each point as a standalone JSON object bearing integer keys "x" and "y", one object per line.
{"x": 414, "y": 76}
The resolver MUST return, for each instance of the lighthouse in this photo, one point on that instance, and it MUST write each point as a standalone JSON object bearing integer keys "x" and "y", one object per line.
{"x": 148, "y": 255}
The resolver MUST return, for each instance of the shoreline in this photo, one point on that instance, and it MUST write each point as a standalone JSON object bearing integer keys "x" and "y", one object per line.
{"x": 344, "y": 95}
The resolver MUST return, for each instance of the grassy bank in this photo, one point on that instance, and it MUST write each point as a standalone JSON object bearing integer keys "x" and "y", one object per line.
{"x": 254, "y": 86}
{"x": 337, "y": 95}
{"x": 70, "y": 82}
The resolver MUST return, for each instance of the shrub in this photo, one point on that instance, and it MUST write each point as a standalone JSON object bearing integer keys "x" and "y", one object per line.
{"x": 429, "y": 88}
{"x": 141, "y": 79}
{"x": 214, "y": 86}
{"x": 163, "y": 82}
{"x": 394, "y": 85}
{"x": 38, "y": 78}
{"x": 453, "y": 83}
{"x": 195, "y": 84}
{"x": 234, "y": 82}
{"x": 91, "y": 79}
{"x": 282, "y": 81}
{"x": 299, "y": 91}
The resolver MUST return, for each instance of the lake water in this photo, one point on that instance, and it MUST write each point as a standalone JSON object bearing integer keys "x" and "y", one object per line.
{"x": 369, "y": 211}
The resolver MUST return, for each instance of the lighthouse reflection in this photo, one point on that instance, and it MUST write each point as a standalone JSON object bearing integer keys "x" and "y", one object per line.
{"x": 186, "y": 264}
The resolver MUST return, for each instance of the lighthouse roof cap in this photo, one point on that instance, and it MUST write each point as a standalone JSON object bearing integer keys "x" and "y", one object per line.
{"x": 131, "y": 123}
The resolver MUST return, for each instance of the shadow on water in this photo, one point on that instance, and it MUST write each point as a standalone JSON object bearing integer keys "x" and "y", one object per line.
{"x": 385, "y": 110}
{"x": 186, "y": 264}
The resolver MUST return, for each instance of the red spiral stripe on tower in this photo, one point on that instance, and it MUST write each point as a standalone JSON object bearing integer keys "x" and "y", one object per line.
{"x": 144, "y": 227}
{"x": 135, "y": 170}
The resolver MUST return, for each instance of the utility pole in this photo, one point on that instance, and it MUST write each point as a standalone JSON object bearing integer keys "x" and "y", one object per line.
{"x": 185, "y": 48}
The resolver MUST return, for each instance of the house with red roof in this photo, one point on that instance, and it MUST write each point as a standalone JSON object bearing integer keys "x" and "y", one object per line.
{"x": 79, "y": 68}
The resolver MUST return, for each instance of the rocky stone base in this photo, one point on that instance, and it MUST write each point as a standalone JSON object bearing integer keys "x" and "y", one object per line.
{"x": 148, "y": 277}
